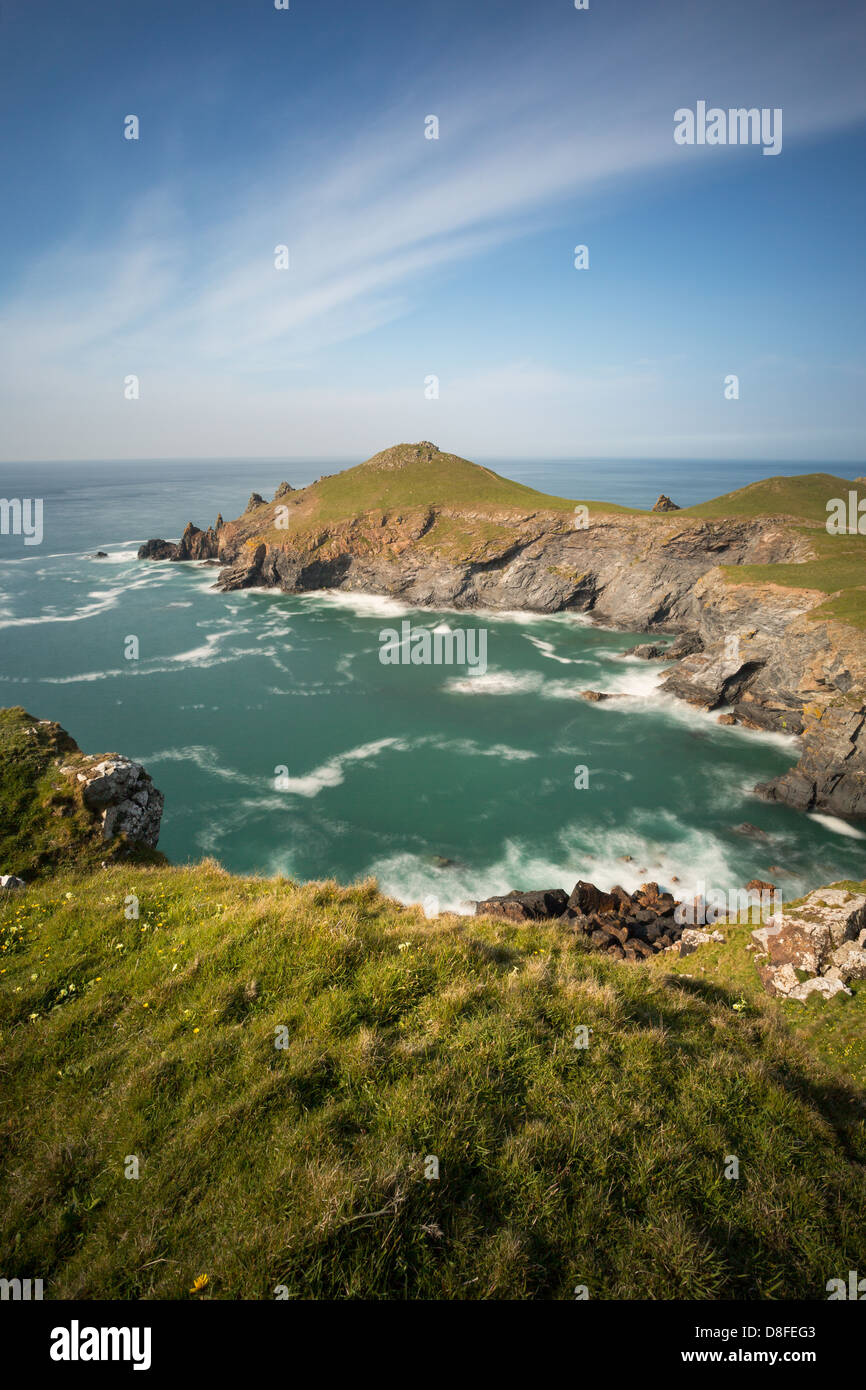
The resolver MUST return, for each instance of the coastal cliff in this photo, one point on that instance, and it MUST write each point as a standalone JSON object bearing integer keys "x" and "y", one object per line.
{"x": 772, "y": 607}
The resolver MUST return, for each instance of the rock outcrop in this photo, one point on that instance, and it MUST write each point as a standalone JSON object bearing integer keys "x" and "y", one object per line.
{"x": 64, "y": 809}
{"x": 123, "y": 796}
{"x": 194, "y": 544}
{"x": 664, "y": 504}
{"x": 627, "y": 926}
{"x": 816, "y": 947}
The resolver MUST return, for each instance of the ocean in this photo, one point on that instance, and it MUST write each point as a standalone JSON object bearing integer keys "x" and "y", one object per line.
{"x": 284, "y": 745}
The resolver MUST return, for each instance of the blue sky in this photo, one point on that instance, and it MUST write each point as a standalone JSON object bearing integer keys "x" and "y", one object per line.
{"x": 412, "y": 257}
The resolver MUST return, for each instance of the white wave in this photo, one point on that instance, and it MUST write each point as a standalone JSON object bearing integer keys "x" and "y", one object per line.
{"x": 496, "y": 683}
{"x": 364, "y": 605}
{"x": 660, "y": 853}
{"x": 202, "y": 658}
{"x": 547, "y": 649}
{"x": 642, "y": 684}
{"x": 206, "y": 758}
{"x": 839, "y": 827}
{"x": 332, "y": 773}
{"x": 105, "y": 600}
{"x": 468, "y": 747}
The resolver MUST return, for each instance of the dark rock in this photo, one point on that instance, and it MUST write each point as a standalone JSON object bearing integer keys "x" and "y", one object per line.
{"x": 647, "y": 651}
{"x": 101, "y": 555}
{"x": 194, "y": 544}
{"x": 831, "y": 773}
{"x": 256, "y": 500}
{"x": 524, "y": 907}
{"x": 687, "y": 644}
{"x": 587, "y": 899}
{"x": 158, "y": 550}
{"x": 282, "y": 491}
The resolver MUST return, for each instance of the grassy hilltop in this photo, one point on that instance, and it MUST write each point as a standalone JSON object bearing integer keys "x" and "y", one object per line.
{"x": 304, "y": 1165}
{"x": 465, "y": 511}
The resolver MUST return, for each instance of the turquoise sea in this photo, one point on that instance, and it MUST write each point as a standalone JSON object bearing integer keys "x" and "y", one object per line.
{"x": 442, "y": 783}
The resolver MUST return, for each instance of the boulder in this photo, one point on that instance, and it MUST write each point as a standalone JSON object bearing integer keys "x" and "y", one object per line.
{"x": 9, "y": 883}
{"x": 823, "y": 937}
{"x": 693, "y": 937}
{"x": 783, "y": 981}
{"x": 647, "y": 651}
{"x": 122, "y": 794}
{"x": 586, "y": 899}
{"x": 524, "y": 907}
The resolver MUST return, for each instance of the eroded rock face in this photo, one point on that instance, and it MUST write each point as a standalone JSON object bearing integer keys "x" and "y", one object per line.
{"x": 831, "y": 773}
{"x": 122, "y": 794}
{"x": 824, "y": 937}
{"x": 664, "y": 504}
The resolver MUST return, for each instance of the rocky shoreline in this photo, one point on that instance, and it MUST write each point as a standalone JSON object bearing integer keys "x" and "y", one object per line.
{"x": 749, "y": 650}
{"x": 815, "y": 948}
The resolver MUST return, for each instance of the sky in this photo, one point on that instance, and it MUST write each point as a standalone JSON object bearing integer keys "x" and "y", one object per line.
{"x": 413, "y": 258}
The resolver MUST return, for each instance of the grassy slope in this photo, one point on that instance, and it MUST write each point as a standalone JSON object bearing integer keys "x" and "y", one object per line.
{"x": 803, "y": 496}
{"x": 304, "y": 1166}
{"x": 397, "y": 481}
{"x": 840, "y": 567}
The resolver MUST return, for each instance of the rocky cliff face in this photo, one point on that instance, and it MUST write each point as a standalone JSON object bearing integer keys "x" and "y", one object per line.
{"x": 628, "y": 571}
{"x": 755, "y": 650}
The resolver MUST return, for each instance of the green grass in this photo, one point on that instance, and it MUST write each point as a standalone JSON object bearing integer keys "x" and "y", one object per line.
{"x": 834, "y": 1031}
{"x": 43, "y": 821}
{"x": 399, "y": 482}
{"x": 406, "y": 1038}
{"x": 838, "y": 571}
{"x": 803, "y": 496}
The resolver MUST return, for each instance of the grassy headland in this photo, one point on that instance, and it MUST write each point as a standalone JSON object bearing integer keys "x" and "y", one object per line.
{"x": 304, "y": 1166}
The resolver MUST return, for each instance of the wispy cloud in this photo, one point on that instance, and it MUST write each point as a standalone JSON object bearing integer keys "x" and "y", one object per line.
{"x": 184, "y": 293}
